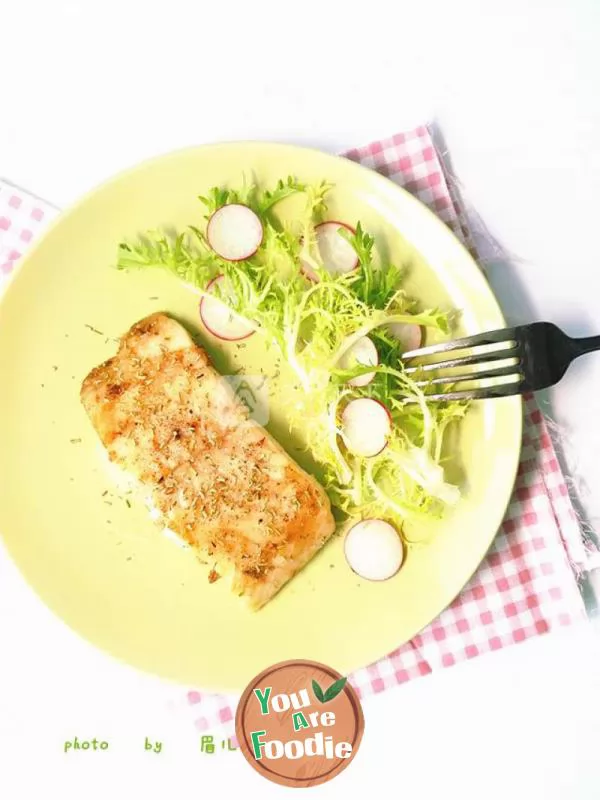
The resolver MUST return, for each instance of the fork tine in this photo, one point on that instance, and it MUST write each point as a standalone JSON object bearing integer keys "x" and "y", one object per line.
{"x": 478, "y": 339}
{"x": 498, "y": 372}
{"x": 476, "y": 358}
{"x": 505, "y": 390}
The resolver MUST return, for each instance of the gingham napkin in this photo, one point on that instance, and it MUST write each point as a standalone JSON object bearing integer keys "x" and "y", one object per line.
{"x": 527, "y": 584}
{"x": 22, "y": 219}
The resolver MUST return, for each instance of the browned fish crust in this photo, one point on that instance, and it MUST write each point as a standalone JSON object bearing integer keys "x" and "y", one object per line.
{"x": 217, "y": 478}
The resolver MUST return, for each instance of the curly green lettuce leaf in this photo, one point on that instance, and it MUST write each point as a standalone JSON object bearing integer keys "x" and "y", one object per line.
{"x": 313, "y": 325}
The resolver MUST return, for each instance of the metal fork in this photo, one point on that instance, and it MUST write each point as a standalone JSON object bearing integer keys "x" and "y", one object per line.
{"x": 540, "y": 354}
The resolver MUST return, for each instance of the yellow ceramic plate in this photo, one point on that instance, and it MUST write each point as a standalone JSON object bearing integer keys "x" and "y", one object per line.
{"x": 100, "y": 564}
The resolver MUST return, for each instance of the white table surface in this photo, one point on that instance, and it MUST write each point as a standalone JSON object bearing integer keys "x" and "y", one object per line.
{"x": 89, "y": 88}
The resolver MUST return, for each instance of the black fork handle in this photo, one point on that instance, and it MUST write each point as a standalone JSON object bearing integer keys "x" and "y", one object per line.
{"x": 585, "y": 345}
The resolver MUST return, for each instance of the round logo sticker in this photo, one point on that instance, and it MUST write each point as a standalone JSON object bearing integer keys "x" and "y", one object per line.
{"x": 299, "y": 723}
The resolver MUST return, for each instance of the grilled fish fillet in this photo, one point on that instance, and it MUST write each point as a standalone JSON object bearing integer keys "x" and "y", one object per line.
{"x": 216, "y": 477}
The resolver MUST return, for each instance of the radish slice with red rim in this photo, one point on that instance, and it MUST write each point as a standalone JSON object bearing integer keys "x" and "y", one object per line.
{"x": 374, "y": 549}
{"x": 362, "y": 353}
{"x": 366, "y": 426}
{"x": 408, "y": 334}
{"x": 218, "y": 318}
{"x": 336, "y": 252}
{"x": 308, "y": 272}
{"x": 234, "y": 232}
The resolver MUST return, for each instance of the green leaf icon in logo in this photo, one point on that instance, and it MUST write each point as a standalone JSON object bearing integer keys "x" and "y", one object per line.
{"x": 335, "y": 689}
{"x": 318, "y": 692}
{"x": 331, "y": 693}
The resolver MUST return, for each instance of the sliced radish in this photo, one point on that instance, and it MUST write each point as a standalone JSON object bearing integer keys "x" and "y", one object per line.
{"x": 337, "y": 254}
{"x": 308, "y": 271}
{"x": 362, "y": 353}
{"x": 234, "y": 232}
{"x": 408, "y": 334}
{"x": 218, "y": 318}
{"x": 374, "y": 550}
{"x": 366, "y": 426}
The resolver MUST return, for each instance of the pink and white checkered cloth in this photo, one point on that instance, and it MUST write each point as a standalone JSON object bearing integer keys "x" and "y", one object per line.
{"x": 22, "y": 218}
{"x": 527, "y": 584}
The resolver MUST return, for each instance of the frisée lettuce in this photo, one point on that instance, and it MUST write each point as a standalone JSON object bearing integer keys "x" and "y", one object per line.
{"x": 285, "y": 292}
